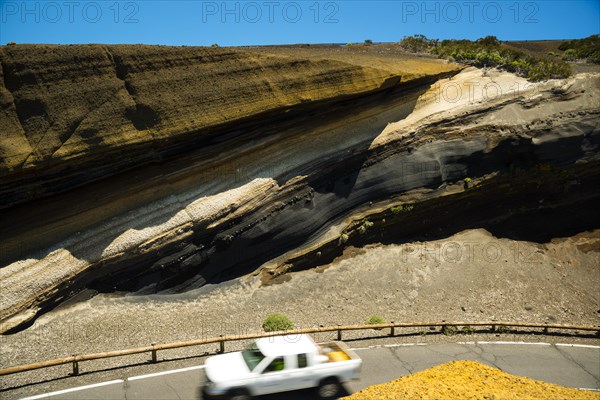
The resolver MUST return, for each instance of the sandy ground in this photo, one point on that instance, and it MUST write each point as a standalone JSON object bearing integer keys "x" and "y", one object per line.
{"x": 471, "y": 276}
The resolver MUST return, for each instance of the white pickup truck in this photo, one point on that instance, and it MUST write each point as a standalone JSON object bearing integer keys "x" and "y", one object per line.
{"x": 280, "y": 364}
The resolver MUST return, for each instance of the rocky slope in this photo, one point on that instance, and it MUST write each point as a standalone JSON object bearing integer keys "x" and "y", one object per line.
{"x": 286, "y": 190}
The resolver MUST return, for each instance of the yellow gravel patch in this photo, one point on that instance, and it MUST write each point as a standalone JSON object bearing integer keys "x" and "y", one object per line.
{"x": 469, "y": 380}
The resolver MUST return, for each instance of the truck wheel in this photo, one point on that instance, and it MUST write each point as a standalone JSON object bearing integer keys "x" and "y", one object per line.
{"x": 239, "y": 394}
{"x": 329, "y": 388}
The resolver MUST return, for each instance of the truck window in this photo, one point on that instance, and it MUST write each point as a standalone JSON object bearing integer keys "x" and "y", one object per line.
{"x": 302, "y": 361}
{"x": 252, "y": 357}
{"x": 276, "y": 365}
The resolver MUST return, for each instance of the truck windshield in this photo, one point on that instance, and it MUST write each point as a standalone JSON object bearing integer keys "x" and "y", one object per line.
{"x": 252, "y": 357}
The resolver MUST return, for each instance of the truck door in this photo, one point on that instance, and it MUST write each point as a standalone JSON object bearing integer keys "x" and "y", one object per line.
{"x": 275, "y": 377}
{"x": 283, "y": 374}
{"x": 302, "y": 377}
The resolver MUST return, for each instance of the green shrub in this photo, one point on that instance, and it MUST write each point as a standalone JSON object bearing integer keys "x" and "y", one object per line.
{"x": 467, "y": 329}
{"x": 594, "y": 58}
{"x": 466, "y": 183}
{"x": 449, "y": 330}
{"x": 417, "y": 43}
{"x": 277, "y": 322}
{"x": 365, "y": 225}
{"x": 569, "y": 55}
{"x": 368, "y": 42}
{"x": 582, "y": 49}
{"x": 488, "y": 52}
{"x": 402, "y": 208}
{"x": 343, "y": 238}
{"x": 491, "y": 41}
{"x": 375, "y": 320}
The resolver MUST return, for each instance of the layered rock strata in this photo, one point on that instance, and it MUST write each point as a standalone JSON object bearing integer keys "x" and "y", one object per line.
{"x": 301, "y": 186}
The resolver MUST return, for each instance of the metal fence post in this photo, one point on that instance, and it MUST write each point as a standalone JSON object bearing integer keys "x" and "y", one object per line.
{"x": 392, "y": 330}
{"x": 339, "y": 331}
{"x": 75, "y": 365}
{"x": 153, "y": 353}
{"x": 221, "y": 345}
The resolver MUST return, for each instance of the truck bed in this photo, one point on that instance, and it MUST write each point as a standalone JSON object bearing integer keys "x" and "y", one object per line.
{"x": 337, "y": 351}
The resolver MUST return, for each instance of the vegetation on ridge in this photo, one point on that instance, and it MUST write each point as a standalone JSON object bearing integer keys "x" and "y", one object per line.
{"x": 489, "y": 52}
{"x": 587, "y": 49}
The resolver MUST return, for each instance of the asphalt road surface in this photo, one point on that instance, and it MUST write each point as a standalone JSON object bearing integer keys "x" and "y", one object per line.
{"x": 576, "y": 366}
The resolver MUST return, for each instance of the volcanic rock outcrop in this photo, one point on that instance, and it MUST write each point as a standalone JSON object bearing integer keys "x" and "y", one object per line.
{"x": 221, "y": 161}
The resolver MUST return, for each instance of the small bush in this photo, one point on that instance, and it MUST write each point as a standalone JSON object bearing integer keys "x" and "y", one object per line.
{"x": 449, "y": 330}
{"x": 365, "y": 225}
{"x": 467, "y": 330}
{"x": 368, "y": 42}
{"x": 277, "y": 322}
{"x": 402, "y": 208}
{"x": 343, "y": 239}
{"x": 375, "y": 320}
{"x": 491, "y": 41}
{"x": 417, "y": 43}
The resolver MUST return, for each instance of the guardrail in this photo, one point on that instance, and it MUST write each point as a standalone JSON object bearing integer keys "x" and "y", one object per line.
{"x": 154, "y": 348}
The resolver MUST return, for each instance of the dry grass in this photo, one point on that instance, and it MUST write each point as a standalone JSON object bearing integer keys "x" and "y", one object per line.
{"x": 469, "y": 380}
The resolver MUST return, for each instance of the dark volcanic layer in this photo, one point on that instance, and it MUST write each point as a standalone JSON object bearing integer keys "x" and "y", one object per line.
{"x": 292, "y": 192}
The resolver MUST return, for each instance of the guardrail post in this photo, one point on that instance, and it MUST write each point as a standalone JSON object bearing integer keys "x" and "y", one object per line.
{"x": 221, "y": 345}
{"x": 545, "y": 330}
{"x": 493, "y": 328}
{"x": 75, "y": 365}
{"x": 339, "y": 331}
{"x": 392, "y": 330}
{"x": 153, "y": 353}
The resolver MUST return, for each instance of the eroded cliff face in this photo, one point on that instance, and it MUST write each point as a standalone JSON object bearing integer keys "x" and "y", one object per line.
{"x": 73, "y": 114}
{"x": 291, "y": 190}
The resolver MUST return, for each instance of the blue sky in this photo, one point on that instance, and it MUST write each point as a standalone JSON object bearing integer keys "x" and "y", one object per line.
{"x": 231, "y": 23}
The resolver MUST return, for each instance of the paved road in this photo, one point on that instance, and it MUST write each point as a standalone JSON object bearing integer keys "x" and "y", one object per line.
{"x": 568, "y": 365}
